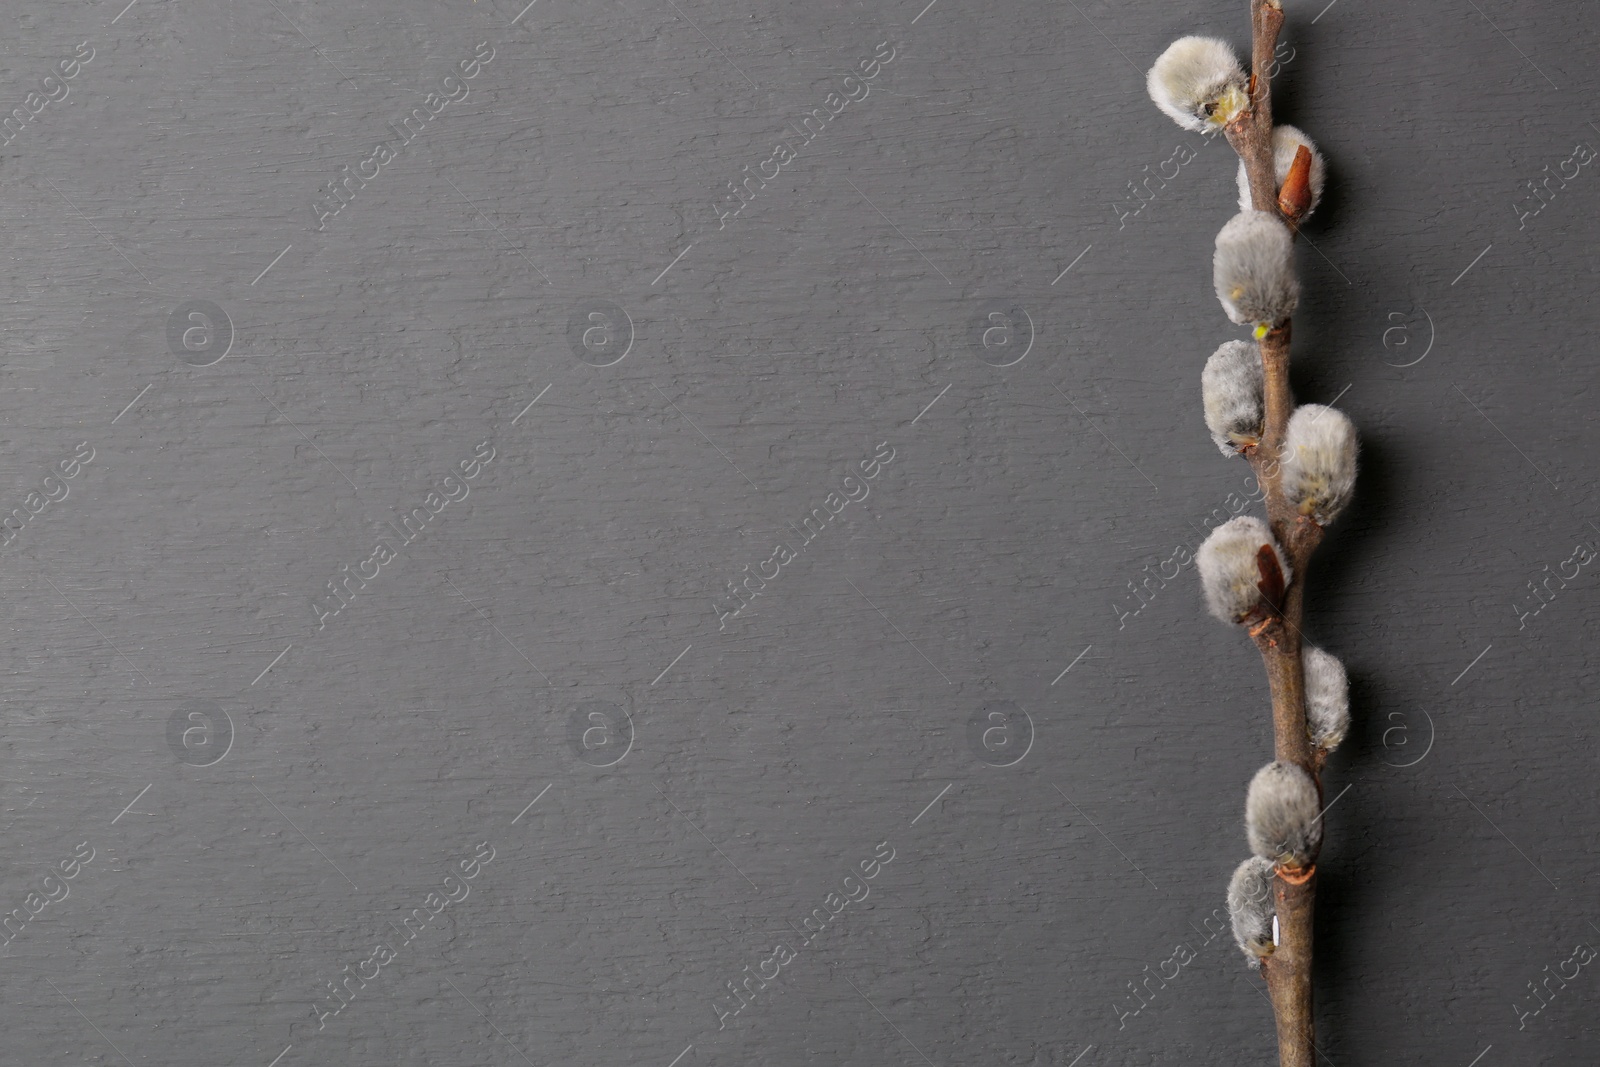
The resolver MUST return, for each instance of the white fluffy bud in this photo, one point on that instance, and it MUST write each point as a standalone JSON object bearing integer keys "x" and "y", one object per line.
{"x": 1253, "y": 270}
{"x": 1231, "y": 386}
{"x": 1230, "y": 572}
{"x": 1285, "y": 141}
{"x": 1251, "y": 907}
{"x": 1198, "y": 83}
{"x": 1327, "y": 699}
{"x": 1281, "y": 815}
{"x": 1319, "y": 461}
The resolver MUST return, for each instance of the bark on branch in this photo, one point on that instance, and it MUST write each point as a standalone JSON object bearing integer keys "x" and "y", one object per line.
{"x": 1288, "y": 969}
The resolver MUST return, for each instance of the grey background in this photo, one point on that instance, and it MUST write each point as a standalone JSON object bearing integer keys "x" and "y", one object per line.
{"x": 994, "y": 552}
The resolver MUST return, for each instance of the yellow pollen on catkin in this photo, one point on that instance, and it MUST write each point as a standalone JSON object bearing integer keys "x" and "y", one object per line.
{"x": 1227, "y": 107}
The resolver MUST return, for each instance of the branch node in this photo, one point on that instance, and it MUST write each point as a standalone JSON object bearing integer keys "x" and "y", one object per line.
{"x": 1297, "y": 875}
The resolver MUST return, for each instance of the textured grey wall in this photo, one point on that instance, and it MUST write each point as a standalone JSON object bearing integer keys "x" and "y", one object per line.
{"x": 949, "y": 305}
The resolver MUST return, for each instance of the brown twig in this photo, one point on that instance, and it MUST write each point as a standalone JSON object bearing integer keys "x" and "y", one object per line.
{"x": 1251, "y": 133}
{"x": 1288, "y": 968}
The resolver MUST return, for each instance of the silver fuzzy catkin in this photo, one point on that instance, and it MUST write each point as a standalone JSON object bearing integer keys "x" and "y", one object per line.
{"x": 1281, "y": 815}
{"x": 1253, "y": 270}
{"x": 1198, "y": 83}
{"x": 1251, "y": 907}
{"x": 1319, "y": 461}
{"x": 1327, "y": 699}
{"x": 1228, "y": 571}
{"x": 1231, "y": 387}
{"x": 1285, "y": 141}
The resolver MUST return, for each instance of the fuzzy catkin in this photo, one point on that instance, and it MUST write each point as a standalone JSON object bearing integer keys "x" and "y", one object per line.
{"x": 1198, "y": 83}
{"x": 1251, "y": 907}
{"x": 1281, "y": 815}
{"x": 1229, "y": 574}
{"x": 1231, "y": 387}
{"x": 1253, "y": 270}
{"x": 1319, "y": 461}
{"x": 1327, "y": 699}
{"x": 1285, "y": 140}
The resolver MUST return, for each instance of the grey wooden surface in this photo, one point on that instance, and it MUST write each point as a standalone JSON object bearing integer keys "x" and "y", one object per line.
{"x": 943, "y": 336}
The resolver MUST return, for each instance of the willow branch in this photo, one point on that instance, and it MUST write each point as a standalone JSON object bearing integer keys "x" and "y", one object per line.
{"x": 1251, "y": 133}
{"x": 1288, "y": 968}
